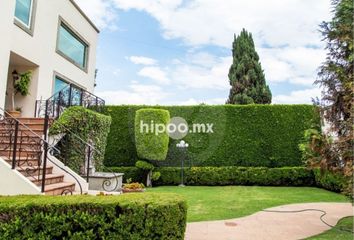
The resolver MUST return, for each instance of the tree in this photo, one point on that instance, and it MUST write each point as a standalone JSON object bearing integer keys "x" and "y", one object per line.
{"x": 247, "y": 80}
{"x": 336, "y": 80}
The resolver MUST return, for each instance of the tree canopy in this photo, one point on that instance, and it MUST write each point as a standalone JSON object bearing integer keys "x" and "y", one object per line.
{"x": 247, "y": 79}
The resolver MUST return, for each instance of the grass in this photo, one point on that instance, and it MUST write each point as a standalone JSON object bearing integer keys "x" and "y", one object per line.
{"x": 226, "y": 202}
{"x": 335, "y": 233}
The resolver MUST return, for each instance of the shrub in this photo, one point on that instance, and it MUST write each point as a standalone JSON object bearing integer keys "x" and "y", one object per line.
{"x": 133, "y": 173}
{"x": 250, "y": 136}
{"x": 145, "y": 166}
{"x": 132, "y": 216}
{"x": 335, "y": 182}
{"x": 80, "y": 123}
{"x": 216, "y": 176}
{"x": 151, "y": 145}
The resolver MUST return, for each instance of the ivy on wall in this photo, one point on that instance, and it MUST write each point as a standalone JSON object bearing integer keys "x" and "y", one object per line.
{"x": 80, "y": 125}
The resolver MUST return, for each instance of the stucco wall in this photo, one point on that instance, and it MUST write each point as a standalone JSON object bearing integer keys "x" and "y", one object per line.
{"x": 13, "y": 183}
{"x": 6, "y": 21}
{"x": 40, "y": 48}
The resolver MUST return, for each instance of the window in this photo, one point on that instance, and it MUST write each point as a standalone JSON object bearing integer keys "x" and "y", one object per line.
{"x": 23, "y": 12}
{"x": 71, "y": 46}
{"x": 72, "y": 98}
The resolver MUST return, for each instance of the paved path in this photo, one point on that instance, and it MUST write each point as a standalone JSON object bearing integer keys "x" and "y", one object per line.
{"x": 270, "y": 225}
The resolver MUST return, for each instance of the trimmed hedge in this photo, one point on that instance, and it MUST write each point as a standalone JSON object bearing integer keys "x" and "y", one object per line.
{"x": 90, "y": 126}
{"x": 133, "y": 173}
{"x": 131, "y": 216}
{"x": 217, "y": 176}
{"x": 334, "y": 182}
{"x": 248, "y": 135}
{"x": 151, "y": 144}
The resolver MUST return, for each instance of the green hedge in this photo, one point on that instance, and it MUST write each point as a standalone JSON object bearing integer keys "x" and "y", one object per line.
{"x": 331, "y": 181}
{"x": 250, "y": 136}
{"x": 134, "y": 173}
{"x": 216, "y": 176}
{"x": 131, "y": 216}
{"x": 151, "y": 144}
{"x": 80, "y": 123}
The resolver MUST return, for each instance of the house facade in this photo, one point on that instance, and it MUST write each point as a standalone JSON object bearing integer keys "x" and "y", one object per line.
{"x": 54, "y": 40}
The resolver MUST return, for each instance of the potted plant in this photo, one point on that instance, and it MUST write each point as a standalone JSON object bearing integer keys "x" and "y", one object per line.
{"x": 130, "y": 187}
{"x": 21, "y": 83}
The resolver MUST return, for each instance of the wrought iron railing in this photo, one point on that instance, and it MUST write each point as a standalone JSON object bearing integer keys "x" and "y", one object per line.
{"x": 87, "y": 153}
{"x": 27, "y": 151}
{"x": 67, "y": 97}
{"x": 52, "y": 108}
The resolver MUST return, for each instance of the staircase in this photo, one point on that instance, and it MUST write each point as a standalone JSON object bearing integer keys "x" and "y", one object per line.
{"x": 27, "y": 155}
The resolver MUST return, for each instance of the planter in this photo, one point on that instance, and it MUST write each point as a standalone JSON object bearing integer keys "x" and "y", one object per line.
{"x": 15, "y": 114}
{"x": 127, "y": 190}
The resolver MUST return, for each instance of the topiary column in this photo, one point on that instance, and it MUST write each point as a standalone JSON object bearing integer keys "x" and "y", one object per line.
{"x": 151, "y": 137}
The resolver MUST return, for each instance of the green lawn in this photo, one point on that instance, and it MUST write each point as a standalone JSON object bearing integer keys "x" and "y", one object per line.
{"x": 217, "y": 203}
{"x": 335, "y": 233}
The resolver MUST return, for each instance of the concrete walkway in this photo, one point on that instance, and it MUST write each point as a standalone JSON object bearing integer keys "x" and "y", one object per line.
{"x": 272, "y": 225}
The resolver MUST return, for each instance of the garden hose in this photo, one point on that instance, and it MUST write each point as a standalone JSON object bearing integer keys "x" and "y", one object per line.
{"x": 316, "y": 210}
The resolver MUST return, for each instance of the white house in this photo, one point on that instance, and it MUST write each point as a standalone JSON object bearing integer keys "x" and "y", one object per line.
{"x": 52, "y": 38}
{"x": 56, "y": 42}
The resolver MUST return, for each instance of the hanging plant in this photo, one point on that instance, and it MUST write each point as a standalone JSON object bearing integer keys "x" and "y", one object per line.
{"x": 23, "y": 83}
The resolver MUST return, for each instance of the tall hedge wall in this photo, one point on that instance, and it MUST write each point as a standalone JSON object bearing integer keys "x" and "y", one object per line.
{"x": 252, "y": 135}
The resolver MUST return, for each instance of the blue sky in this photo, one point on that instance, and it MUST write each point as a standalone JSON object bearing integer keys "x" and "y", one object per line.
{"x": 179, "y": 52}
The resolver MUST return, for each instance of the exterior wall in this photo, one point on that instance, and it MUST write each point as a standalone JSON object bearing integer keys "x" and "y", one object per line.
{"x": 6, "y": 25}
{"x": 40, "y": 48}
{"x": 14, "y": 183}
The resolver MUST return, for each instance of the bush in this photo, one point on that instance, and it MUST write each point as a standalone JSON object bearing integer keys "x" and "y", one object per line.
{"x": 151, "y": 145}
{"x": 335, "y": 182}
{"x": 250, "y": 136}
{"x": 90, "y": 126}
{"x": 216, "y": 176}
{"x": 133, "y": 173}
{"x": 145, "y": 166}
{"x": 132, "y": 216}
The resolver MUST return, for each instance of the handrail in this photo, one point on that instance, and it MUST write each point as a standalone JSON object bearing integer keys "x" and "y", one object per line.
{"x": 27, "y": 128}
{"x": 67, "y": 97}
{"x": 45, "y": 148}
{"x": 54, "y": 106}
{"x": 92, "y": 151}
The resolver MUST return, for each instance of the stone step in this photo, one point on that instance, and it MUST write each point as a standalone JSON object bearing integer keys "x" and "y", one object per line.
{"x": 60, "y": 188}
{"x": 49, "y": 179}
{"x": 30, "y": 171}
{"x": 22, "y": 153}
{"x": 22, "y": 133}
{"x": 31, "y": 120}
{"x": 24, "y": 161}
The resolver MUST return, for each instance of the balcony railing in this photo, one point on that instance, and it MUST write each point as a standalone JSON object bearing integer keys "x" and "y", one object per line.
{"x": 69, "y": 96}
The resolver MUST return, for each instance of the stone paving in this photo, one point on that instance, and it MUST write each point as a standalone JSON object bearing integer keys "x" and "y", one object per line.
{"x": 265, "y": 225}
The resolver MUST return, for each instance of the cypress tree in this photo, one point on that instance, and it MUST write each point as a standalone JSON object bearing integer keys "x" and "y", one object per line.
{"x": 247, "y": 80}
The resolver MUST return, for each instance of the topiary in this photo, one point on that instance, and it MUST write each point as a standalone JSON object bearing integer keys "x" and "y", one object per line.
{"x": 151, "y": 137}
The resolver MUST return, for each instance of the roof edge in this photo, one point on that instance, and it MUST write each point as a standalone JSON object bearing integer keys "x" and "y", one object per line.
{"x": 85, "y": 16}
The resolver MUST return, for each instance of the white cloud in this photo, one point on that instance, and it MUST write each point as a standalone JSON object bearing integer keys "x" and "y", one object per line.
{"x": 296, "y": 65}
{"x": 142, "y": 60}
{"x": 154, "y": 73}
{"x": 101, "y": 12}
{"x": 300, "y": 96}
{"x": 137, "y": 94}
{"x": 273, "y": 22}
{"x": 206, "y": 76}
